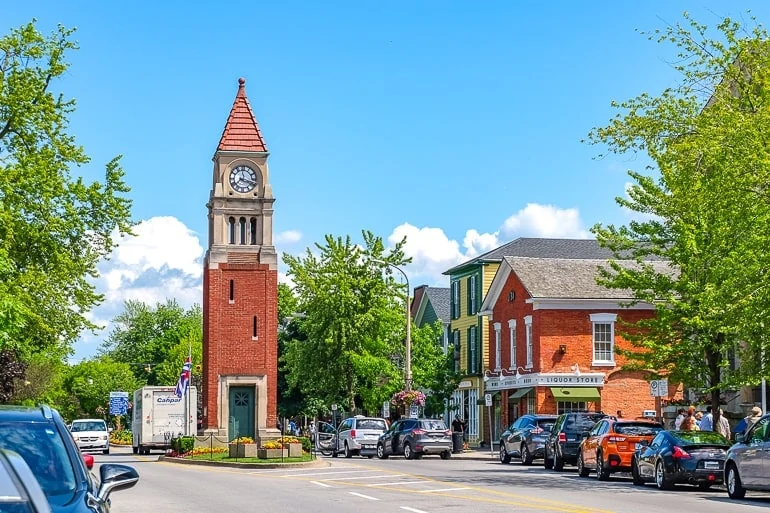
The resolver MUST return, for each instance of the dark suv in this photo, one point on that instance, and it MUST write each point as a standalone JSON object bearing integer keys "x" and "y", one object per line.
{"x": 525, "y": 438}
{"x": 564, "y": 441}
{"x": 41, "y": 438}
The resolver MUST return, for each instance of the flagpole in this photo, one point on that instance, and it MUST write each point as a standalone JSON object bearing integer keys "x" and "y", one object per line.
{"x": 187, "y": 393}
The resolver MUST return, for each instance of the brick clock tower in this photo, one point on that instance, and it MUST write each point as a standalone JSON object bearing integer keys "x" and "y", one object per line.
{"x": 240, "y": 285}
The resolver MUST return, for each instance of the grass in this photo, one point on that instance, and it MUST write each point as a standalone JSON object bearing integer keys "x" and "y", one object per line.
{"x": 225, "y": 458}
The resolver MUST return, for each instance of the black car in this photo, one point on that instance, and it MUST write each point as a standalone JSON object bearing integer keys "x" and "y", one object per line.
{"x": 693, "y": 457}
{"x": 525, "y": 438}
{"x": 415, "y": 437}
{"x": 41, "y": 438}
{"x": 563, "y": 442}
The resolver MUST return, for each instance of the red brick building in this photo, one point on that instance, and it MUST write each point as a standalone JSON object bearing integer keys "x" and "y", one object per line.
{"x": 552, "y": 340}
{"x": 240, "y": 285}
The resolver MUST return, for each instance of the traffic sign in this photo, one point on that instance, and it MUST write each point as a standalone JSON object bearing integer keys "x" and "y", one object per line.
{"x": 659, "y": 388}
{"x": 488, "y": 399}
{"x": 118, "y": 403}
{"x": 413, "y": 411}
{"x": 386, "y": 409}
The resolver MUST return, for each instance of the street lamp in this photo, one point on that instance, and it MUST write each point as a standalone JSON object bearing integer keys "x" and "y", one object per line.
{"x": 408, "y": 364}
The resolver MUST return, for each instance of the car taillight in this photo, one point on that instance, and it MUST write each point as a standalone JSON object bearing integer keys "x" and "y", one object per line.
{"x": 418, "y": 431}
{"x": 536, "y": 431}
{"x": 680, "y": 453}
{"x": 562, "y": 437}
{"x": 353, "y": 433}
{"x": 615, "y": 439}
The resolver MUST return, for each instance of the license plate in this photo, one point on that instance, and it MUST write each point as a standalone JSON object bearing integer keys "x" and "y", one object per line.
{"x": 711, "y": 464}
{"x": 368, "y": 446}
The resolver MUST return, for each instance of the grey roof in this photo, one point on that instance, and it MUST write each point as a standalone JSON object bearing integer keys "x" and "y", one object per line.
{"x": 543, "y": 248}
{"x": 439, "y": 298}
{"x": 563, "y": 278}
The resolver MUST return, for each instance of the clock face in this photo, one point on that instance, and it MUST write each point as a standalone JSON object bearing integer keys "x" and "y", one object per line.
{"x": 243, "y": 179}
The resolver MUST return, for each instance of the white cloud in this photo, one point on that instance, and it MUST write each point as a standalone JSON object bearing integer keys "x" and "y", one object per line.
{"x": 287, "y": 237}
{"x": 545, "y": 221}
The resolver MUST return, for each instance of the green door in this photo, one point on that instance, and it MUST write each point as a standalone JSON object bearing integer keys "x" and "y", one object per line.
{"x": 241, "y": 422}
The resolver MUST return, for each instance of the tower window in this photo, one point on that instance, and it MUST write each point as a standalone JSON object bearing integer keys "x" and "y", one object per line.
{"x": 253, "y": 227}
{"x": 231, "y": 230}
{"x": 242, "y": 223}
{"x": 254, "y": 335}
{"x": 232, "y": 291}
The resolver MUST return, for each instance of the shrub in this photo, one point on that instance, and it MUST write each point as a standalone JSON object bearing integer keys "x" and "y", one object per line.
{"x": 183, "y": 444}
{"x": 121, "y": 437}
{"x": 243, "y": 440}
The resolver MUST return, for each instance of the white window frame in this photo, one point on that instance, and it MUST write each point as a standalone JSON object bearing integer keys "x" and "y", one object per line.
{"x": 473, "y": 366}
{"x": 498, "y": 347}
{"x": 599, "y": 346}
{"x": 456, "y": 344}
{"x": 512, "y": 342}
{"x": 473, "y": 414}
{"x": 472, "y": 293}
{"x": 456, "y": 299}
{"x": 568, "y": 406}
{"x": 528, "y": 326}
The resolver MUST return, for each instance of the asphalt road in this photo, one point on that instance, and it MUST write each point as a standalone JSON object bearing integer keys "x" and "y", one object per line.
{"x": 395, "y": 485}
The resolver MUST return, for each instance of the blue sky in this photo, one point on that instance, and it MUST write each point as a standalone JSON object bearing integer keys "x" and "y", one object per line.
{"x": 458, "y": 125}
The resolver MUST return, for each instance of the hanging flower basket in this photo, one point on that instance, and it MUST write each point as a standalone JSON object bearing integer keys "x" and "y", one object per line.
{"x": 404, "y": 399}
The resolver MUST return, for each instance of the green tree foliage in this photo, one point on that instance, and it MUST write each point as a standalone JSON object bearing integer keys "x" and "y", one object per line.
{"x": 155, "y": 341}
{"x": 353, "y": 323}
{"x": 433, "y": 368}
{"x": 89, "y": 383}
{"x": 42, "y": 381}
{"x": 704, "y": 204}
{"x": 54, "y": 228}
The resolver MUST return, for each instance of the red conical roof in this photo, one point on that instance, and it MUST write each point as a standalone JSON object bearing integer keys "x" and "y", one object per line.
{"x": 241, "y": 131}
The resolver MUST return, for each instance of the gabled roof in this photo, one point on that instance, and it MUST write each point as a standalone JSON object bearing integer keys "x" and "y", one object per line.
{"x": 241, "y": 131}
{"x": 560, "y": 278}
{"x": 438, "y": 298}
{"x": 540, "y": 248}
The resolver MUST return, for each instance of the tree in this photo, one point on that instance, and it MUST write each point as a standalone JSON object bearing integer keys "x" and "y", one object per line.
{"x": 146, "y": 337}
{"x": 705, "y": 208}
{"x": 89, "y": 384}
{"x": 353, "y": 321}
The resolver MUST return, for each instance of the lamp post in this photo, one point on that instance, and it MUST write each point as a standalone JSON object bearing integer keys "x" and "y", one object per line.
{"x": 408, "y": 364}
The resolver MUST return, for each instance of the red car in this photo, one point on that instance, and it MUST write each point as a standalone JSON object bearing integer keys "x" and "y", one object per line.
{"x": 611, "y": 444}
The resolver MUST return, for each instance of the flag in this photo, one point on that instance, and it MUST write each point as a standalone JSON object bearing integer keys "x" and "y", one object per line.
{"x": 184, "y": 378}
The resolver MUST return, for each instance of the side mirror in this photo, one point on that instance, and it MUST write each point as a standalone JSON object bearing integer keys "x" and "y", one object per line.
{"x": 115, "y": 477}
{"x": 740, "y": 438}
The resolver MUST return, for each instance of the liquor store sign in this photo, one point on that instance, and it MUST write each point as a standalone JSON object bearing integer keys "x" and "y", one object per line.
{"x": 551, "y": 379}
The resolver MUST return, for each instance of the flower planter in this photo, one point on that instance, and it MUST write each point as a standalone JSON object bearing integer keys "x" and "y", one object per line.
{"x": 273, "y": 453}
{"x": 295, "y": 450}
{"x": 243, "y": 450}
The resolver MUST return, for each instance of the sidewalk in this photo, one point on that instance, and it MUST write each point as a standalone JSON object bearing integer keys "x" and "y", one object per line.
{"x": 481, "y": 453}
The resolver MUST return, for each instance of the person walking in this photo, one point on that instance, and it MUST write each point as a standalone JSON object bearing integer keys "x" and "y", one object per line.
{"x": 690, "y": 423}
{"x": 681, "y": 414}
{"x": 723, "y": 426}
{"x": 749, "y": 420}
{"x": 707, "y": 421}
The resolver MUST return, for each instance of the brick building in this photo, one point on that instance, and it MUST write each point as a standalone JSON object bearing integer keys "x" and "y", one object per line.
{"x": 552, "y": 340}
{"x": 240, "y": 285}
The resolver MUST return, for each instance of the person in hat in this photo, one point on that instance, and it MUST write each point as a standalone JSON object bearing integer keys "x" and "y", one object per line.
{"x": 749, "y": 420}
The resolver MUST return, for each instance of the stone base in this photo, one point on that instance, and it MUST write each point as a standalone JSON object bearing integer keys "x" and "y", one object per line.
{"x": 243, "y": 450}
{"x": 272, "y": 453}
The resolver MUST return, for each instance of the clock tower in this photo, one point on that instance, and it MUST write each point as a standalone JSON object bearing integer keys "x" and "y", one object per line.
{"x": 240, "y": 285}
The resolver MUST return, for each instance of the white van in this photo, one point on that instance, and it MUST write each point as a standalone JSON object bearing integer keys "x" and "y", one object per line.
{"x": 91, "y": 435}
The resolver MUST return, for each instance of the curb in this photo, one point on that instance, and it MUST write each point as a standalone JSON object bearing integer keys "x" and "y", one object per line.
{"x": 209, "y": 463}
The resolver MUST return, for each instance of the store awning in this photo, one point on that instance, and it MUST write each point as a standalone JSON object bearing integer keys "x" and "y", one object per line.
{"x": 575, "y": 393}
{"x": 519, "y": 393}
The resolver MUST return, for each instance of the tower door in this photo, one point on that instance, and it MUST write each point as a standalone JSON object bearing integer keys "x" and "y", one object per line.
{"x": 242, "y": 408}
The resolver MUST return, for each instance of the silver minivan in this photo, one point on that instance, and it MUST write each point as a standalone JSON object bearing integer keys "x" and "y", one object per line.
{"x": 747, "y": 466}
{"x": 359, "y": 435}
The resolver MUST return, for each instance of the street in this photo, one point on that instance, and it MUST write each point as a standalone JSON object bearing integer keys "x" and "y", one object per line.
{"x": 429, "y": 485}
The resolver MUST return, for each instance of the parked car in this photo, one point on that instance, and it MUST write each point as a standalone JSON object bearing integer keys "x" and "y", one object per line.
{"x": 561, "y": 446}
{"x": 611, "y": 445}
{"x": 415, "y": 437}
{"x": 359, "y": 435}
{"x": 525, "y": 438}
{"x": 41, "y": 438}
{"x": 693, "y": 457}
{"x": 91, "y": 435}
{"x": 747, "y": 465}
{"x": 19, "y": 490}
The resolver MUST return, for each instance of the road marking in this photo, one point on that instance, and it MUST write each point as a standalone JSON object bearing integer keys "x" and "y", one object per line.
{"x": 322, "y": 473}
{"x": 352, "y": 478}
{"x": 321, "y": 484}
{"x": 413, "y": 510}
{"x": 364, "y": 496}
{"x": 444, "y": 490}
{"x": 396, "y": 483}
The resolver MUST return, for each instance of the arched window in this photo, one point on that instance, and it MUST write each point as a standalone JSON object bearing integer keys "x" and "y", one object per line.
{"x": 231, "y": 230}
{"x": 243, "y": 230}
{"x": 253, "y": 228}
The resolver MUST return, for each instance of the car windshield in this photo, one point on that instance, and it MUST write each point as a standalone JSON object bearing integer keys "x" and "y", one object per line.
{"x": 699, "y": 437}
{"x": 637, "y": 428}
{"x": 43, "y": 449}
{"x": 433, "y": 425}
{"x": 376, "y": 424}
{"x": 546, "y": 425}
{"x": 91, "y": 425}
{"x": 581, "y": 422}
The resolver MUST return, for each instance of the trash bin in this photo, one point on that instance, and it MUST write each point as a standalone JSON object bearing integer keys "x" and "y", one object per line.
{"x": 457, "y": 441}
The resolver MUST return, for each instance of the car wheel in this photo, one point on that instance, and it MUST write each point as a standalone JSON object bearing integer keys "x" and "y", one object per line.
{"x": 381, "y": 452}
{"x": 602, "y": 472}
{"x": 663, "y": 482}
{"x": 525, "y": 455}
{"x": 735, "y": 489}
{"x": 636, "y": 478}
{"x": 408, "y": 453}
{"x": 582, "y": 469}
{"x": 348, "y": 452}
{"x": 547, "y": 461}
{"x": 505, "y": 458}
{"x": 106, "y": 451}
{"x": 446, "y": 455}
{"x": 558, "y": 462}
{"x": 135, "y": 449}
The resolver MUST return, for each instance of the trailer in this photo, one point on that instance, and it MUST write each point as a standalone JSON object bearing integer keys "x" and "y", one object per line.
{"x": 159, "y": 415}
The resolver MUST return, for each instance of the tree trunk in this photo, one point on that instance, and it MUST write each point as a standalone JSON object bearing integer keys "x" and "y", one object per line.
{"x": 713, "y": 357}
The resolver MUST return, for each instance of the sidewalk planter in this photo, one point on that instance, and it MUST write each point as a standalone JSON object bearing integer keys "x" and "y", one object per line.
{"x": 243, "y": 450}
{"x": 295, "y": 450}
{"x": 274, "y": 453}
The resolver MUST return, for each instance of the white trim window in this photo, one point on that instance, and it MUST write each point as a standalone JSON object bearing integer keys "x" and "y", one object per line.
{"x": 472, "y": 294}
{"x": 456, "y": 348}
{"x": 473, "y": 414}
{"x": 603, "y": 328}
{"x": 473, "y": 366}
{"x": 456, "y": 299}
{"x": 512, "y": 341}
{"x": 498, "y": 346}
{"x": 528, "y": 326}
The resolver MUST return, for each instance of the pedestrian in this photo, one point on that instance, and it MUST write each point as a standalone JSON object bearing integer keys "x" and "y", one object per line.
{"x": 312, "y": 431}
{"x": 689, "y": 423}
{"x": 707, "y": 421}
{"x": 723, "y": 426}
{"x": 292, "y": 428}
{"x": 749, "y": 420}
{"x": 619, "y": 414}
{"x": 681, "y": 414}
{"x": 698, "y": 417}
